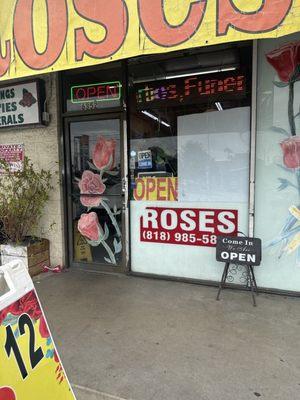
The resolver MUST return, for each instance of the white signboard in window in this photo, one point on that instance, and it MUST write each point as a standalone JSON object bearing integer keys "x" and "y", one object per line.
{"x": 213, "y": 162}
{"x": 20, "y": 104}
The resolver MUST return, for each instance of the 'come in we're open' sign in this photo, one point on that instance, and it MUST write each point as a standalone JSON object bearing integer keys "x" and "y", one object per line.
{"x": 238, "y": 250}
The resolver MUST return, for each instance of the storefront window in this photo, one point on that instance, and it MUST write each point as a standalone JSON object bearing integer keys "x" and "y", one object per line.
{"x": 277, "y": 164}
{"x": 189, "y": 159}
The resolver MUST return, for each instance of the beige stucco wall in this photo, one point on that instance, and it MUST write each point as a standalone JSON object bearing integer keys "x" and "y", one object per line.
{"x": 42, "y": 147}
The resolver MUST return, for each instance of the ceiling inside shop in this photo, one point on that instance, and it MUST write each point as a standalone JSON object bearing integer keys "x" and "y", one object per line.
{"x": 205, "y": 60}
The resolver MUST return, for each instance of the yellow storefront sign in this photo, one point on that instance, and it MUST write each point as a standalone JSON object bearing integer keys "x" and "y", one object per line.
{"x": 30, "y": 366}
{"x": 50, "y": 35}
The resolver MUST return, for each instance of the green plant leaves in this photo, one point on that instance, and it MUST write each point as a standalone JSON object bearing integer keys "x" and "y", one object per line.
{"x": 23, "y": 196}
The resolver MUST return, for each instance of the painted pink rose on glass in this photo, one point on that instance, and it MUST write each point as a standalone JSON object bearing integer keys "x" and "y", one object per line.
{"x": 89, "y": 226}
{"x": 104, "y": 154}
{"x": 285, "y": 60}
{"x": 291, "y": 152}
{"x": 91, "y": 184}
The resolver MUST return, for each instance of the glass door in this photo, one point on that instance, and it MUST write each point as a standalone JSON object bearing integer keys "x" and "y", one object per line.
{"x": 96, "y": 192}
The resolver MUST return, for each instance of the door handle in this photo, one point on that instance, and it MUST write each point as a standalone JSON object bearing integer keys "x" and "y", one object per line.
{"x": 124, "y": 185}
{"x": 124, "y": 205}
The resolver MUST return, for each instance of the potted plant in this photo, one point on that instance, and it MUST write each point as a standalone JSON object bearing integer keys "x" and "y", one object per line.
{"x": 23, "y": 195}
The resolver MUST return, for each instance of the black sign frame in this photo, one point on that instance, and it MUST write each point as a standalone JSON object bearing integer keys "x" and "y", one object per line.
{"x": 41, "y": 98}
{"x": 194, "y": 89}
{"x": 234, "y": 247}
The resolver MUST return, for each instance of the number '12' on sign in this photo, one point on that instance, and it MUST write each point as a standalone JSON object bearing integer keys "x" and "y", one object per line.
{"x": 11, "y": 345}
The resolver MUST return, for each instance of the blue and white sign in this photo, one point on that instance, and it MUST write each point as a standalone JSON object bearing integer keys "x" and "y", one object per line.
{"x": 145, "y": 159}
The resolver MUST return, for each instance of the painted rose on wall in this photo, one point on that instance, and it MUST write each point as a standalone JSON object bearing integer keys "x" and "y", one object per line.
{"x": 286, "y": 62}
{"x": 291, "y": 152}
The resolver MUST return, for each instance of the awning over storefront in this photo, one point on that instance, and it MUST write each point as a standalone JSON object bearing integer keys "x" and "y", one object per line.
{"x": 39, "y": 36}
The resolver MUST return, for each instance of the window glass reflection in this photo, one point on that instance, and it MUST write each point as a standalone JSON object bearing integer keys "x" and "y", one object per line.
{"x": 190, "y": 128}
{"x": 96, "y": 191}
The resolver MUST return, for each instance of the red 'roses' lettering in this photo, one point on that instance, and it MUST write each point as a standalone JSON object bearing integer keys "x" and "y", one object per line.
{"x": 5, "y": 60}
{"x": 57, "y": 15}
{"x": 113, "y": 16}
{"x": 203, "y": 220}
{"x": 157, "y": 28}
{"x": 265, "y": 19}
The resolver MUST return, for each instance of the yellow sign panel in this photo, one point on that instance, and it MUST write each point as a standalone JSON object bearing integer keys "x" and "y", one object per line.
{"x": 156, "y": 189}
{"x": 82, "y": 248}
{"x": 30, "y": 366}
{"x": 50, "y": 35}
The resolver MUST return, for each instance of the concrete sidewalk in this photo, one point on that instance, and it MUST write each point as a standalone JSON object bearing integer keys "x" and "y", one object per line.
{"x": 131, "y": 338}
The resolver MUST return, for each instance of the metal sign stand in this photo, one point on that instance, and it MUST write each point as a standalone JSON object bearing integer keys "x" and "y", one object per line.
{"x": 251, "y": 281}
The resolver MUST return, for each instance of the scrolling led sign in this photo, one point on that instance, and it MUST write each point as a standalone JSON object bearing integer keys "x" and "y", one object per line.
{"x": 193, "y": 89}
{"x": 105, "y": 91}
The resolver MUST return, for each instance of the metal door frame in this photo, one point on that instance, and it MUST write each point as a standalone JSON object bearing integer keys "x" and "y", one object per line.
{"x": 96, "y": 267}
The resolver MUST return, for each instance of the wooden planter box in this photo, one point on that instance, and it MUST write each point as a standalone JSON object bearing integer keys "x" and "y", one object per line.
{"x": 34, "y": 254}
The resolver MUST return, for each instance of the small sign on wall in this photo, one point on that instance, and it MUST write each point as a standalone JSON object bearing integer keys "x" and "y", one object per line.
{"x": 20, "y": 104}
{"x": 13, "y": 155}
